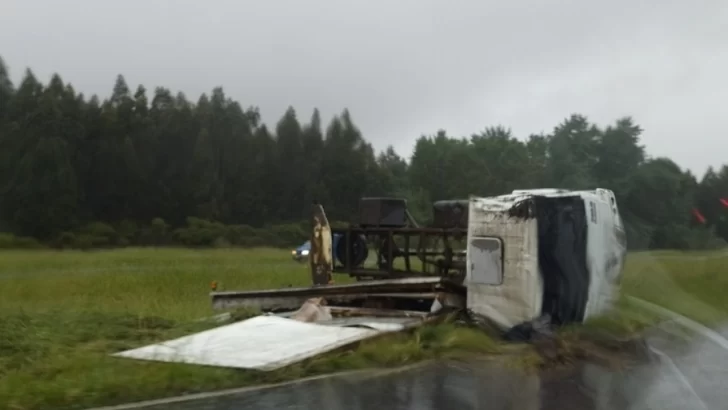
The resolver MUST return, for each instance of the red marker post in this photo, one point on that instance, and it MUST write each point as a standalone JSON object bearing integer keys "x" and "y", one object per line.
{"x": 699, "y": 216}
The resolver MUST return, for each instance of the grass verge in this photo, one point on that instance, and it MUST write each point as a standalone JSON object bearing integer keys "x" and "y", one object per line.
{"x": 690, "y": 283}
{"x": 63, "y": 313}
{"x": 56, "y": 360}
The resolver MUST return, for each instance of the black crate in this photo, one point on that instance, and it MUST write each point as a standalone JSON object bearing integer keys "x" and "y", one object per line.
{"x": 383, "y": 212}
{"x": 450, "y": 214}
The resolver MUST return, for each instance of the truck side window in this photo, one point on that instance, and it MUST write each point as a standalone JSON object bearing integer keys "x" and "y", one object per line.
{"x": 485, "y": 261}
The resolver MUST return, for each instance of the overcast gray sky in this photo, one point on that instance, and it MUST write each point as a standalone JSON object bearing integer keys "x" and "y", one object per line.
{"x": 406, "y": 67}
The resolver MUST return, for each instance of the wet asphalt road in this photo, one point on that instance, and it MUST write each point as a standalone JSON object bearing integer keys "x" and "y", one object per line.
{"x": 689, "y": 372}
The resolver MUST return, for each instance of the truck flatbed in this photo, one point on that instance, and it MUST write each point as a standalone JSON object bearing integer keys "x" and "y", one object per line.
{"x": 404, "y": 290}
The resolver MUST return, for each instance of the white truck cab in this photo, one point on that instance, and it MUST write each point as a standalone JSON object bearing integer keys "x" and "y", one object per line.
{"x": 544, "y": 251}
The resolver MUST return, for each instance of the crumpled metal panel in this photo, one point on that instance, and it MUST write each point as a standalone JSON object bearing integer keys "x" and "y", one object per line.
{"x": 262, "y": 343}
{"x": 393, "y": 324}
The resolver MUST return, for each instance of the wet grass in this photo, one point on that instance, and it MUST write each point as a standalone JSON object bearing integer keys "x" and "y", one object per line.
{"x": 612, "y": 341}
{"x": 63, "y": 313}
{"x": 61, "y": 361}
{"x": 690, "y": 283}
{"x": 170, "y": 283}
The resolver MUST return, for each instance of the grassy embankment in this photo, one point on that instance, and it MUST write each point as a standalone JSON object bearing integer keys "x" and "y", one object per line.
{"x": 62, "y": 313}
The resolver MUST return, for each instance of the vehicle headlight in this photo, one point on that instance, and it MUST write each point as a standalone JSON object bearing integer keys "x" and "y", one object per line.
{"x": 304, "y": 253}
{"x": 293, "y": 252}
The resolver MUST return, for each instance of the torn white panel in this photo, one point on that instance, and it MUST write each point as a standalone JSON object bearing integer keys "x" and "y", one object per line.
{"x": 312, "y": 310}
{"x": 379, "y": 326}
{"x": 261, "y": 343}
{"x": 436, "y": 306}
{"x": 384, "y": 324}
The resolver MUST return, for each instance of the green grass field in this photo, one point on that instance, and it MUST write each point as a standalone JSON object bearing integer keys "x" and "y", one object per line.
{"x": 690, "y": 283}
{"x": 62, "y": 313}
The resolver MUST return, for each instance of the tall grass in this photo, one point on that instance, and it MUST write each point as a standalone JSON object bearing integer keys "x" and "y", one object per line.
{"x": 690, "y": 283}
{"x": 62, "y": 313}
{"x": 173, "y": 283}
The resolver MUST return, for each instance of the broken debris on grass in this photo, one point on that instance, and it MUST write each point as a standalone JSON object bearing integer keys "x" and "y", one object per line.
{"x": 272, "y": 341}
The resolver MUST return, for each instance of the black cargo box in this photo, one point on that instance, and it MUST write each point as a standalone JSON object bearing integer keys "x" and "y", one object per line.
{"x": 383, "y": 212}
{"x": 450, "y": 214}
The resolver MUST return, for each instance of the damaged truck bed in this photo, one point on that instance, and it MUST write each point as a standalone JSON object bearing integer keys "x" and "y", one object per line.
{"x": 512, "y": 259}
{"x": 282, "y": 337}
{"x": 412, "y": 292}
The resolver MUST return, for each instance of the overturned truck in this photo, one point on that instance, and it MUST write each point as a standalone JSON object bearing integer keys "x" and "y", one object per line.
{"x": 510, "y": 258}
{"x": 540, "y": 252}
{"x": 530, "y": 255}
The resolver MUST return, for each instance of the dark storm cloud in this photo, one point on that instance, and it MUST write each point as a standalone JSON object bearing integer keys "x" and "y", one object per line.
{"x": 404, "y": 67}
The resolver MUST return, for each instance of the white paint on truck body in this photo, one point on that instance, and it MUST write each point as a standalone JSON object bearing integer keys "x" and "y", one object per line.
{"x": 605, "y": 251}
{"x": 519, "y": 295}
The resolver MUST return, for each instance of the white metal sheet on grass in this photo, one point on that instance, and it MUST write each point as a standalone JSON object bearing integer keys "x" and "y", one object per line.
{"x": 261, "y": 343}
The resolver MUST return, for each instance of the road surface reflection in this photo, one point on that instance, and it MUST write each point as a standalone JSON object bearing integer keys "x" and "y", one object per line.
{"x": 685, "y": 374}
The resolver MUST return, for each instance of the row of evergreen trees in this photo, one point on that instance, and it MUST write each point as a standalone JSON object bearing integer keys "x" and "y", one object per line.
{"x": 70, "y": 161}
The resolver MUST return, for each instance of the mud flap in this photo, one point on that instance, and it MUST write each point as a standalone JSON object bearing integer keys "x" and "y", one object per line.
{"x": 320, "y": 256}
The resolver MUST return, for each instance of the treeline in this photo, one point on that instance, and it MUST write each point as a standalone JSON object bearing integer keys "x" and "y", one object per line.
{"x": 154, "y": 168}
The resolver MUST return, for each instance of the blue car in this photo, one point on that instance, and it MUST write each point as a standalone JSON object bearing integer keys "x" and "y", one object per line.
{"x": 300, "y": 254}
